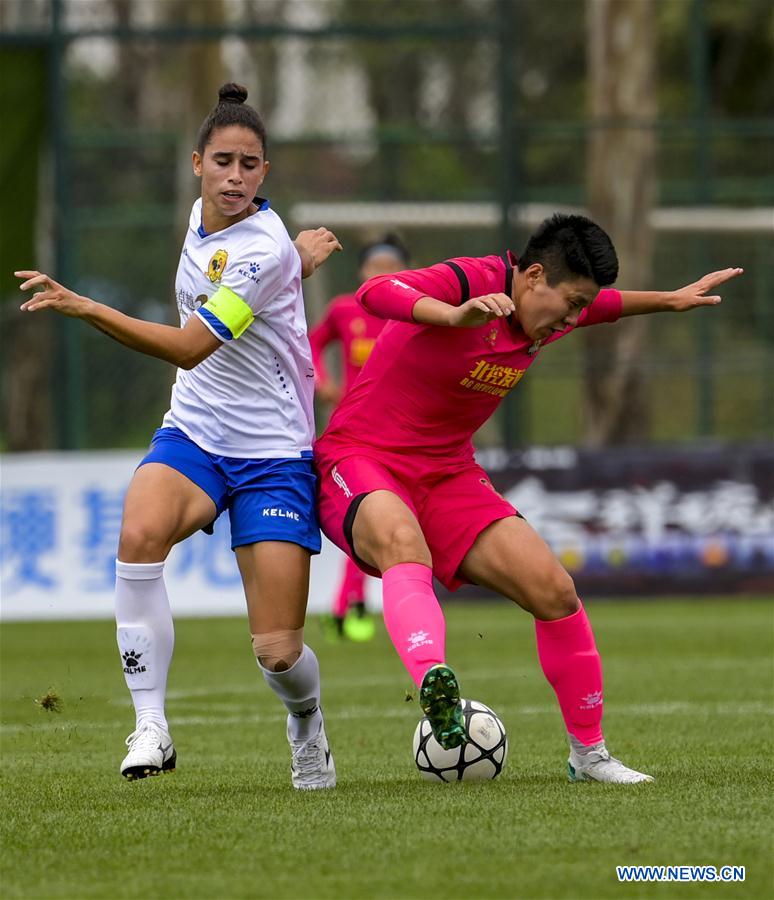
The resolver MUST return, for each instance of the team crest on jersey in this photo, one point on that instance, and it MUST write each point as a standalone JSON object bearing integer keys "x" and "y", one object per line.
{"x": 357, "y": 326}
{"x": 217, "y": 265}
{"x": 491, "y": 337}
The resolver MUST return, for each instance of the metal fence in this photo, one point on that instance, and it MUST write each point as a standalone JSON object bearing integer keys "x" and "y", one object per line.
{"x": 451, "y": 108}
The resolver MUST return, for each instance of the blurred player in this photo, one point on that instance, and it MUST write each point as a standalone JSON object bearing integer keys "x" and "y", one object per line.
{"x": 238, "y": 436}
{"x": 400, "y": 490}
{"x": 354, "y": 330}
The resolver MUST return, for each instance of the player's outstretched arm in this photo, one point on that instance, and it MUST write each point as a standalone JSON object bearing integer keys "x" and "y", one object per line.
{"x": 314, "y": 246}
{"x": 700, "y": 293}
{"x": 185, "y": 347}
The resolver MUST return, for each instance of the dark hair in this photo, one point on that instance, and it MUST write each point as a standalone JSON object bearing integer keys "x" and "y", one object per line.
{"x": 389, "y": 242}
{"x": 231, "y": 109}
{"x": 568, "y": 246}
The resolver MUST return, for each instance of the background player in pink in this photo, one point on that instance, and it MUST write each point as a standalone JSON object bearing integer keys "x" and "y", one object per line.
{"x": 354, "y": 330}
{"x": 400, "y": 490}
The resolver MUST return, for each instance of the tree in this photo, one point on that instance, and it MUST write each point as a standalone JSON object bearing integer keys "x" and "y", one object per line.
{"x": 27, "y": 342}
{"x": 621, "y": 189}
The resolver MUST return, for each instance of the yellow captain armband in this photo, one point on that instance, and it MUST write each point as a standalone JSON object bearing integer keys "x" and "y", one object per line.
{"x": 230, "y": 310}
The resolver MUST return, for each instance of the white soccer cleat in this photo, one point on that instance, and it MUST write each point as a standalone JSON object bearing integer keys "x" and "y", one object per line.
{"x": 598, "y": 765}
{"x": 312, "y": 767}
{"x": 151, "y": 752}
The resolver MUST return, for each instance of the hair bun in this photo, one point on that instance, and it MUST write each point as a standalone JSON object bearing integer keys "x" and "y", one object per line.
{"x": 232, "y": 93}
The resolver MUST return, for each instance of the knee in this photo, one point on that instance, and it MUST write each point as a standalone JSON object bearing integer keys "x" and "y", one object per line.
{"x": 278, "y": 651}
{"x": 141, "y": 542}
{"x": 401, "y": 543}
{"x": 554, "y": 597}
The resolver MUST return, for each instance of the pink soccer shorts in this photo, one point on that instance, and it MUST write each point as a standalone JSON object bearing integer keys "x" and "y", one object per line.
{"x": 453, "y": 504}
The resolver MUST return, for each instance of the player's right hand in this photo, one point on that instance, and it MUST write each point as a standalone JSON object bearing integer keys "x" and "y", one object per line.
{"x": 51, "y": 295}
{"x": 480, "y": 310}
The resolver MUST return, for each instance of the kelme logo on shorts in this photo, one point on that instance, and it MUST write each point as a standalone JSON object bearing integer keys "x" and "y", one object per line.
{"x": 275, "y": 512}
{"x": 217, "y": 265}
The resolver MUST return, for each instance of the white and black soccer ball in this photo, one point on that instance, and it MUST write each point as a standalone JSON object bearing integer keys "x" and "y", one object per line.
{"x": 481, "y": 759}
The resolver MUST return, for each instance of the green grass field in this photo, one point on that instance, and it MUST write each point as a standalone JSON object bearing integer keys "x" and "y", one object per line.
{"x": 689, "y": 688}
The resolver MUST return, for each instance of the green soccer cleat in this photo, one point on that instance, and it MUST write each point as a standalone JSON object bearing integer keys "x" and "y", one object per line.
{"x": 358, "y": 624}
{"x": 439, "y": 698}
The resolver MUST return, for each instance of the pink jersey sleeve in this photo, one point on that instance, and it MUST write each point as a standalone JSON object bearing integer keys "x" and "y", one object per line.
{"x": 323, "y": 333}
{"x": 606, "y": 307}
{"x": 394, "y": 296}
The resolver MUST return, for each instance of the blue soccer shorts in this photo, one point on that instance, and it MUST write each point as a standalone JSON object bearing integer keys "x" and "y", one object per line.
{"x": 267, "y": 499}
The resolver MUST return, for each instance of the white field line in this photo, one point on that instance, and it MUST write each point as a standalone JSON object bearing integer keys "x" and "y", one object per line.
{"x": 398, "y": 679}
{"x": 749, "y": 709}
{"x": 395, "y": 680}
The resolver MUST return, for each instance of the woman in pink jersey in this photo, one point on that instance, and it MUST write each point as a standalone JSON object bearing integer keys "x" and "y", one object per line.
{"x": 347, "y": 324}
{"x": 400, "y": 491}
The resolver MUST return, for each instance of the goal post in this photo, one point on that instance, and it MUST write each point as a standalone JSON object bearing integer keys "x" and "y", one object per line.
{"x": 368, "y": 214}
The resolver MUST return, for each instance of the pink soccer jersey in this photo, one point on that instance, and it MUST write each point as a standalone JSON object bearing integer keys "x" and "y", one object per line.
{"x": 427, "y": 388}
{"x": 346, "y": 322}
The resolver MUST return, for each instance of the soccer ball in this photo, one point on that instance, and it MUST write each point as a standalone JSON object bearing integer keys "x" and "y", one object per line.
{"x": 481, "y": 759}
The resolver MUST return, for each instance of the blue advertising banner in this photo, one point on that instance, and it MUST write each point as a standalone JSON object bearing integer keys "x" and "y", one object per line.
{"x": 60, "y": 517}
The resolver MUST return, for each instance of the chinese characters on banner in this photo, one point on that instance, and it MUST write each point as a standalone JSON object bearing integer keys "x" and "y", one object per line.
{"x": 651, "y": 520}
{"x": 60, "y": 518}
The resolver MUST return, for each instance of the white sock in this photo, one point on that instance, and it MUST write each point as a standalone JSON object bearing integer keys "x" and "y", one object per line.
{"x": 584, "y": 749}
{"x": 145, "y": 635}
{"x": 299, "y": 689}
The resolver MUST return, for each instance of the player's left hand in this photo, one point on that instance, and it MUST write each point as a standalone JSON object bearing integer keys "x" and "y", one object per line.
{"x": 314, "y": 246}
{"x": 699, "y": 293}
{"x": 50, "y": 295}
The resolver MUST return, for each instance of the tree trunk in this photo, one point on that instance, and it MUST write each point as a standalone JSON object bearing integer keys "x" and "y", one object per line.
{"x": 26, "y": 340}
{"x": 205, "y": 73}
{"x": 621, "y": 189}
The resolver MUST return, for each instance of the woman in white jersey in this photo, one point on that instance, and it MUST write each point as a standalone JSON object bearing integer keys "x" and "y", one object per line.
{"x": 238, "y": 436}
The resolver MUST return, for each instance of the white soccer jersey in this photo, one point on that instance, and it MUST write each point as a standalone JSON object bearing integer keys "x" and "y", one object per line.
{"x": 252, "y": 397}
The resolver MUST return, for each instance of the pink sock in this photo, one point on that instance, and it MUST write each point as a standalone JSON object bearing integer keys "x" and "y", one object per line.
{"x": 413, "y": 617}
{"x": 350, "y": 589}
{"x": 570, "y": 661}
